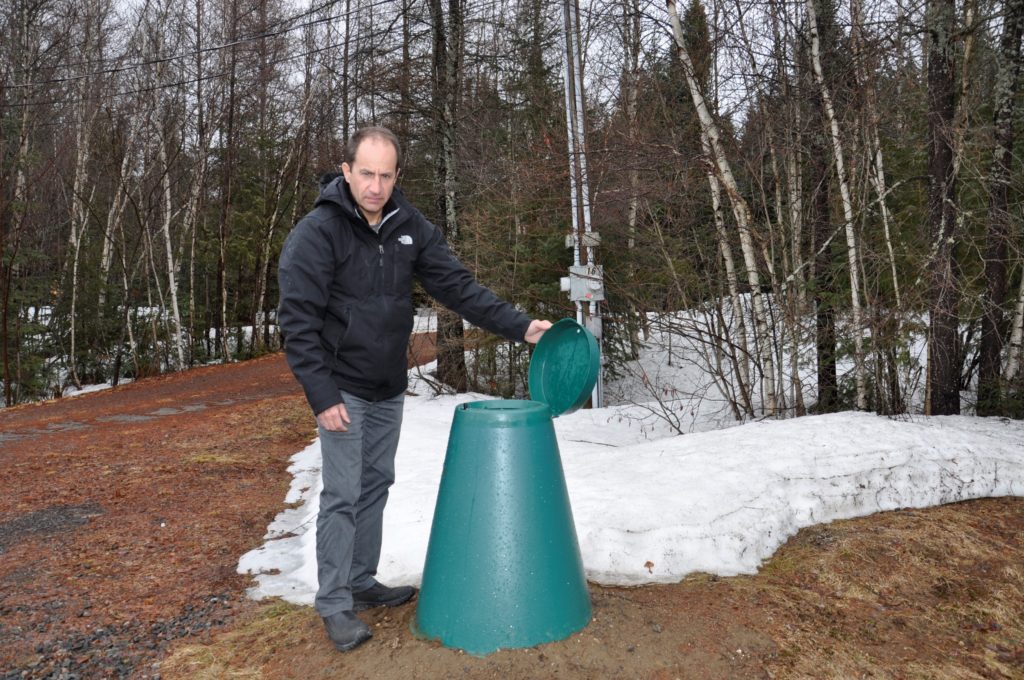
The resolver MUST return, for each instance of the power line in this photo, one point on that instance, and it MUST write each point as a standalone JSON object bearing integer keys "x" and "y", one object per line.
{"x": 161, "y": 86}
{"x": 177, "y": 83}
{"x": 490, "y": 4}
{"x": 213, "y": 48}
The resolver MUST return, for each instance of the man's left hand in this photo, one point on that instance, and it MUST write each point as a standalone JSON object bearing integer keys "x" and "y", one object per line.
{"x": 536, "y": 330}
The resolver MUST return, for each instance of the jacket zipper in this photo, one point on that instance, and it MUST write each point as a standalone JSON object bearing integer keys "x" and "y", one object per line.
{"x": 380, "y": 246}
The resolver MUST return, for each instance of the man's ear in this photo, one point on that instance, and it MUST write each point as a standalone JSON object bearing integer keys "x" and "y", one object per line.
{"x": 346, "y": 170}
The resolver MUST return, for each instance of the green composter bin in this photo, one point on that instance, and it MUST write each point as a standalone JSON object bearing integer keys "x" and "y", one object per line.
{"x": 503, "y": 567}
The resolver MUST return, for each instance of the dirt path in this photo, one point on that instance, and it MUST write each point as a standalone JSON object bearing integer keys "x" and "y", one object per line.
{"x": 124, "y": 512}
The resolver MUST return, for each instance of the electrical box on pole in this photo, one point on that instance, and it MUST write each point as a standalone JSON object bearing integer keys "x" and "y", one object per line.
{"x": 585, "y": 283}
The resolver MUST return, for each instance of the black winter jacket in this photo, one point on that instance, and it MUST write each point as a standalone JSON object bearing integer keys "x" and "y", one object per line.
{"x": 346, "y": 308}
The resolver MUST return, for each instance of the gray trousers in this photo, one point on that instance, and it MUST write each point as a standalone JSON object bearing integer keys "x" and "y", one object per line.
{"x": 358, "y": 469}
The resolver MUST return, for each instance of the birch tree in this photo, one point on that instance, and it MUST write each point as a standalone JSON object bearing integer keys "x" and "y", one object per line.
{"x": 741, "y": 211}
{"x": 228, "y": 141}
{"x": 847, "y": 203}
{"x": 1014, "y": 354}
{"x": 697, "y": 28}
{"x": 82, "y": 189}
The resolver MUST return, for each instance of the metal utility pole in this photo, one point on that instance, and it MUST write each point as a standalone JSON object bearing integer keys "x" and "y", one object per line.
{"x": 585, "y": 283}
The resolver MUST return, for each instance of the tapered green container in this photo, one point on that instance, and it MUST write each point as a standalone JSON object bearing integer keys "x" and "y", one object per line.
{"x": 503, "y": 567}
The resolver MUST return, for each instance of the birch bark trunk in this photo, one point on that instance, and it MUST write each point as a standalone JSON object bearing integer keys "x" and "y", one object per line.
{"x": 84, "y": 122}
{"x": 877, "y": 170}
{"x": 847, "y": 202}
{"x": 172, "y": 267}
{"x": 775, "y": 227}
{"x": 631, "y": 94}
{"x": 1014, "y": 354}
{"x": 739, "y": 361}
{"x": 227, "y": 188}
{"x": 79, "y": 222}
{"x": 741, "y": 212}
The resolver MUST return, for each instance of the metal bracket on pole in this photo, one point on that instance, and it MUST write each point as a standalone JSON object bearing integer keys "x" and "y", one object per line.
{"x": 589, "y": 239}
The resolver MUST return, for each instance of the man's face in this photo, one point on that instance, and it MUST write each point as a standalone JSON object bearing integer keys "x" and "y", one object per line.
{"x": 372, "y": 175}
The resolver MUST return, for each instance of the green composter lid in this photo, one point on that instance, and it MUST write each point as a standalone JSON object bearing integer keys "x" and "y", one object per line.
{"x": 564, "y": 367}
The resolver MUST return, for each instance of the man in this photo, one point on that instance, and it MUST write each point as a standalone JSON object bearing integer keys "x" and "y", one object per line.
{"x": 346, "y": 313}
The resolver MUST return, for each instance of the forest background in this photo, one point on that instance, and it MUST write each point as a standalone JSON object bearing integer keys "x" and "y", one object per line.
{"x": 829, "y": 184}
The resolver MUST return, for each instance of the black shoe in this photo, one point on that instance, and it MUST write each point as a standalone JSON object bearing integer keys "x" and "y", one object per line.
{"x": 379, "y": 595}
{"x": 346, "y": 631}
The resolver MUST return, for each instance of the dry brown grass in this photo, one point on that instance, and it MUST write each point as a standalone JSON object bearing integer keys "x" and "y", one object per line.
{"x": 914, "y": 594}
{"x": 246, "y": 648}
{"x": 934, "y": 593}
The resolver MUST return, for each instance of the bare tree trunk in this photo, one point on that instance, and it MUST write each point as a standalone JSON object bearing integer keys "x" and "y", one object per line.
{"x": 943, "y": 396}
{"x": 740, "y": 360}
{"x": 879, "y": 184}
{"x": 1000, "y": 221}
{"x": 877, "y": 171}
{"x": 754, "y": 83}
{"x": 194, "y": 204}
{"x": 631, "y": 94}
{"x": 227, "y": 187}
{"x": 12, "y": 228}
{"x": 12, "y": 238}
{"x": 126, "y": 290}
{"x": 451, "y": 360}
{"x": 79, "y": 222}
{"x": 824, "y": 281}
{"x": 346, "y": 51}
{"x": 741, "y": 211}
{"x": 963, "y": 41}
{"x": 1014, "y": 354}
{"x": 796, "y": 300}
{"x": 172, "y": 267}
{"x": 847, "y": 201}
{"x": 405, "y": 84}
{"x": 290, "y": 165}
{"x": 115, "y": 213}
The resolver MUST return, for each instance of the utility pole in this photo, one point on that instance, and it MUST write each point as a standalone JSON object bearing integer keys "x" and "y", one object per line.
{"x": 585, "y": 283}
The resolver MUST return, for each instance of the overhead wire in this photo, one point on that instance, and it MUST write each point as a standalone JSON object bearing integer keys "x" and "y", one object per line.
{"x": 266, "y": 32}
{"x": 286, "y": 25}
{"x": 287, "y": 21}
{"x": 371, "y": 38}
{"x": 152, "y": 61}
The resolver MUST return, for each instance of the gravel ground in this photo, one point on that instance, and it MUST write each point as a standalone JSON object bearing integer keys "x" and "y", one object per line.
{"x": 131, "y": 649}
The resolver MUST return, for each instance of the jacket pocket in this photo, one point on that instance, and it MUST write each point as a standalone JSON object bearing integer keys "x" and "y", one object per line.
{"x": 337, "y": 329}
{"x": 403, "y": 257}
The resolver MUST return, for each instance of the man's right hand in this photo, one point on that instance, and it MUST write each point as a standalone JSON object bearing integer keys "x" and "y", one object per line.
{"x": 334, "y": 419}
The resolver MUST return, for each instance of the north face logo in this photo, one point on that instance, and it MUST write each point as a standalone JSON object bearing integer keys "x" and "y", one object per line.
{"x": 405, "y": 240}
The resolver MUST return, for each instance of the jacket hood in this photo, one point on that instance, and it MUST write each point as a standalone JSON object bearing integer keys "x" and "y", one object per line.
{"x": 334, "y": 189}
